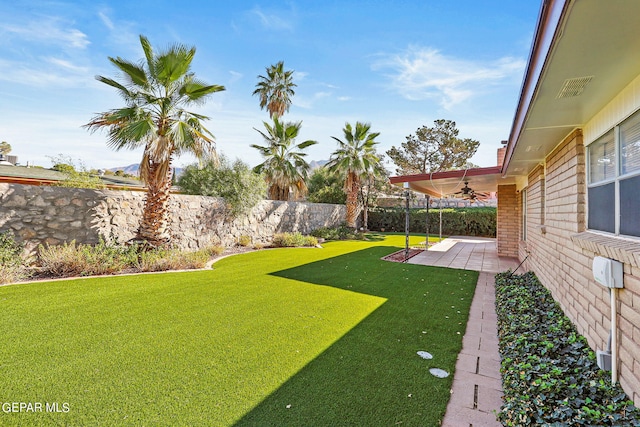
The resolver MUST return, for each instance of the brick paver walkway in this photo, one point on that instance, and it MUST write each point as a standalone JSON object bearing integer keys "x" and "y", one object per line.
{"x": 477, "y": 386}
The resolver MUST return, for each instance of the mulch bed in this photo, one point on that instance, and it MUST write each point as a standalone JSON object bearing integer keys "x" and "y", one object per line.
{"x": 400, "y": 255}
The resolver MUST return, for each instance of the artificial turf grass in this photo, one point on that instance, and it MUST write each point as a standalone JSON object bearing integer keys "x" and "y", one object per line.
{"x": 372, "y": 376}
{"x": 333, "y": 332}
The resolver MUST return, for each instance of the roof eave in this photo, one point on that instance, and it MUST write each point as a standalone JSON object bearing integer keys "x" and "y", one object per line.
{"x": 548, "y": 30}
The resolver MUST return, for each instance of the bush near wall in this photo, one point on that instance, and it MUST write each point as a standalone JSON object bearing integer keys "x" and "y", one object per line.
{"x": 455, "y": 222}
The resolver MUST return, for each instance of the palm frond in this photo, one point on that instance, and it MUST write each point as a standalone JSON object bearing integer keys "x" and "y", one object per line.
{"x": 134, "y": 72}
{"x": 173, "y": 64}
{"x": 124, "y": 91}
{"x": 148, "y": 53}
{"x": 196, "y": 90}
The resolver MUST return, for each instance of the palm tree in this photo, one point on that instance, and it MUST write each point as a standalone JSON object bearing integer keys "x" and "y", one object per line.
{"x": 275, "y": 90}
{"x": 156, "y": 93}
{"x": 284, "y": 167}
{"x": 354, "y": 159}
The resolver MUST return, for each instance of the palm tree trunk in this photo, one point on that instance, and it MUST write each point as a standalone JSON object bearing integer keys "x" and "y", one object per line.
{"x": 353, "y": 185}
{"x": 153, "y": 226}
{"x": 365, "y": 217}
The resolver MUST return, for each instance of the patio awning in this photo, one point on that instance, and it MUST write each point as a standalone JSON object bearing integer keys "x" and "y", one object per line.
{"x": 442, "y": 184}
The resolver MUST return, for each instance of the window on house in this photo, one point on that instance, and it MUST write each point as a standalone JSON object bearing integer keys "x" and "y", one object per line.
{"x": 614, "y": 180}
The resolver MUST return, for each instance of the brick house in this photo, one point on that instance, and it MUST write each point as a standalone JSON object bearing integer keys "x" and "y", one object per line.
{"x": 569, "y": 187}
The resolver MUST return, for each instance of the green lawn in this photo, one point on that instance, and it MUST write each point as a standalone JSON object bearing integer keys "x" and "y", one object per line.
{"x": 285, "y": 337}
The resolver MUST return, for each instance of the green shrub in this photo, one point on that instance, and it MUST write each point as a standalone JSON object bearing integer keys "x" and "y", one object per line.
{"x": 549, "y": 372}
{"x": 455, "y": 222}
{"x": 325, "y": 187}
{"x": 236, "y": 182}
{"x": 290, "y": 240}
{"x": 12, "y": 267}
{"x": 337, "y": 233}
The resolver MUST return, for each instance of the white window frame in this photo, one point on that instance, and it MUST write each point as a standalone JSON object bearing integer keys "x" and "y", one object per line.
{"x": 618, "y": 176}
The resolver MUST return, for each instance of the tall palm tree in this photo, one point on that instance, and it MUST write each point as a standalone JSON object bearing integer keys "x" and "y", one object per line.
{"x": 285, "y": 168}
{"x": 275, "y": 90}
{"x": 354, "y": 158}
{"x": 156, "y": 93}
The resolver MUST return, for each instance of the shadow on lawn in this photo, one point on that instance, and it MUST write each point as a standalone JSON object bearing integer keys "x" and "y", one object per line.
{"x": 372, "y": 375}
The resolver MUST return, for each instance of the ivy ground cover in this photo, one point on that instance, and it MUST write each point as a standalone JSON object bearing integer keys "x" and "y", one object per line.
{"x": 549, "y": 374}
{"x": 323, "y": 337}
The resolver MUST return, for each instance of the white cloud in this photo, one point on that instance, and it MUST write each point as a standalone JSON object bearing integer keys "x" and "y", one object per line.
{"x": 423, "y": 73}
{"x": 235, "y": 76}
{"x": 106, "y": 20}
{"x": 299, "y": 75}
{"x": 48, "y": 30}
{"x": 121, "y": 33}
{"x": 41, "y": 75}
{"x": 272, "y": 20}
{"x": 67, "y": 65}
{"x": 308, "y": 102}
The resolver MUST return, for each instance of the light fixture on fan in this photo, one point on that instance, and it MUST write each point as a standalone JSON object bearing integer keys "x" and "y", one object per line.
{"x": 467, "y": 192}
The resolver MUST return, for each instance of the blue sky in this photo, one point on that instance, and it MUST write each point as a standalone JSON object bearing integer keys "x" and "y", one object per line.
{"x": 398, "y": 64}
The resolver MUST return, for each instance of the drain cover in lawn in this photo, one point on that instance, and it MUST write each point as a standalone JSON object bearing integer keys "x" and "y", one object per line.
{"x": 425, "y": 355}
{"x": 437, "y": 372}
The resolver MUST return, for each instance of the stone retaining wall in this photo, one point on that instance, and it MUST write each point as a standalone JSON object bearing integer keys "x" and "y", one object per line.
{"x": 53, "y": 215}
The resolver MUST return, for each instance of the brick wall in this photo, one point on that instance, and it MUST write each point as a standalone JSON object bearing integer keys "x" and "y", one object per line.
{"x": 561, "y": 255}
{"x": 507, "y": 221}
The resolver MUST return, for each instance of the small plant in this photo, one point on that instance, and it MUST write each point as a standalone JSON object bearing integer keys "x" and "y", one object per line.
{"x": 214, "y": 251}
{"x": 244, "y": 240}
{"x": 290, "y": 240}
{"x": 549, "y": 372}
{"x": 12, "y": 266}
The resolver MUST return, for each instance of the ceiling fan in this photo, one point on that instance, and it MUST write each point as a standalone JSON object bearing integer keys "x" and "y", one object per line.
{"x": 468, "y": 193}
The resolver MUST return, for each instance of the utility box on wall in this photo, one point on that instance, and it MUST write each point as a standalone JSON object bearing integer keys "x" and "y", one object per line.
{"x": 608, "y": 272}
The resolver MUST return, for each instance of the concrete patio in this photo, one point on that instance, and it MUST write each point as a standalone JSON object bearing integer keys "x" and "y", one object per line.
{"x": 477, "y": 386}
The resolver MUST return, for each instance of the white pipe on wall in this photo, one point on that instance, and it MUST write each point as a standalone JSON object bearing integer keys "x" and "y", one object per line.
{"x": 614, "y": 335}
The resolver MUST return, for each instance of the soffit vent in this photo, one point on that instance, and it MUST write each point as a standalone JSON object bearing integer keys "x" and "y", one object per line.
{"x": 573, "y": 87}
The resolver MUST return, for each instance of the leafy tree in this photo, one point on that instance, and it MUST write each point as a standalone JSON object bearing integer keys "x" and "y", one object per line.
{"x": 354, "y": 159}
{"x": 373, "y": 184}
{"x": 5, "y": 148}
{"x": 284, "y": 168}
{"x": 157, "y": 92}
{"x": 240, "y": 187}
{"x": 275, "y": 90}
{"x": 326, "y": 187}
{"x": 433, "y": 149}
